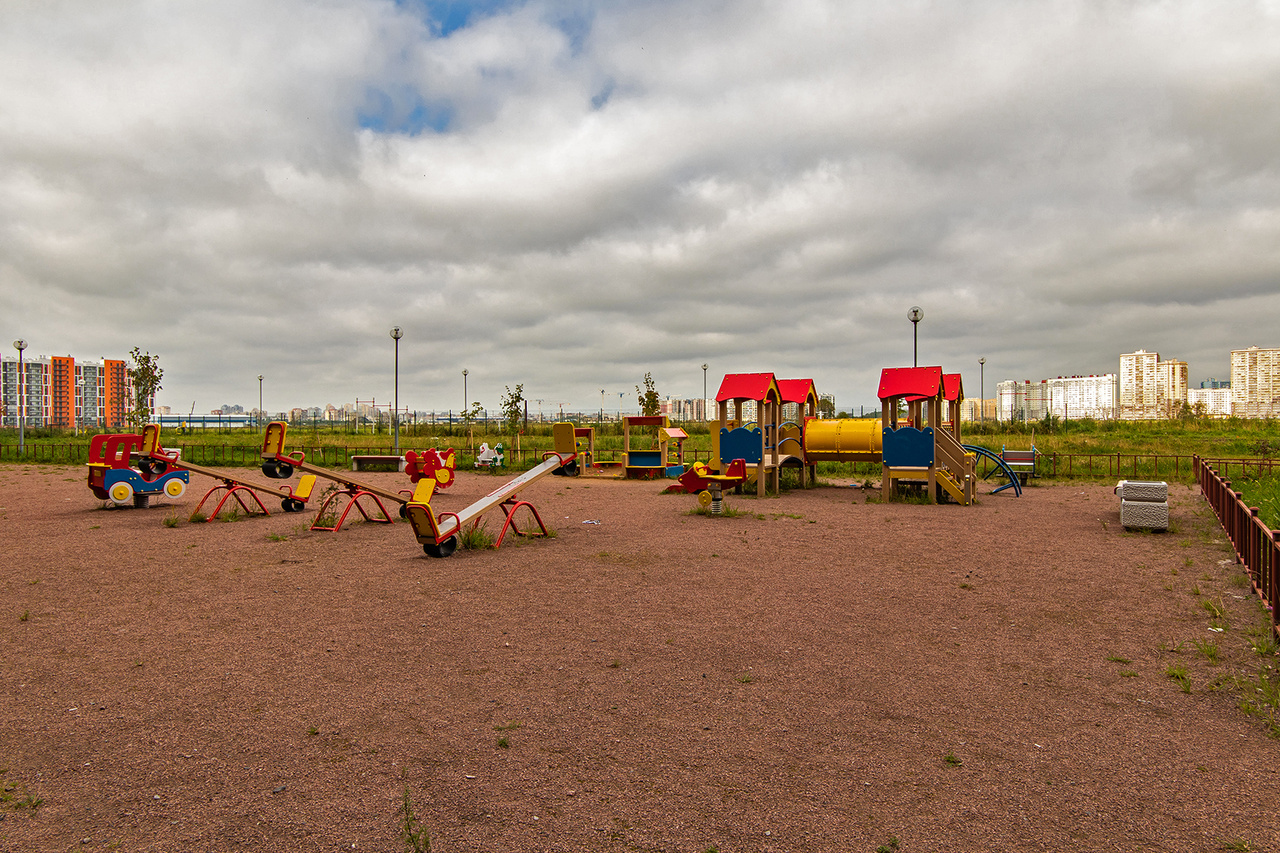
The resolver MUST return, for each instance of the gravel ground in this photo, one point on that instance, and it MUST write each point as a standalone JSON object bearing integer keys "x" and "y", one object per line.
{"x": 821, "y": 673}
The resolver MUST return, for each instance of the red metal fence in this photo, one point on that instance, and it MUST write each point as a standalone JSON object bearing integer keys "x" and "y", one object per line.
{"x": 1256, "y": 546}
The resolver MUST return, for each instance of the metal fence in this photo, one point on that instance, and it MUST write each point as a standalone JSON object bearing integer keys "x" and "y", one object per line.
{"x": 1256, "y": 545}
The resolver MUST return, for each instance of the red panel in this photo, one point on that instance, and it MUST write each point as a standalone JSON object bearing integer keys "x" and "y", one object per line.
{"x": 745, "y": 386}
{"x": 910, "y": 382}
{"x": 952, "y": 387}
{"x": 796, "y": 390}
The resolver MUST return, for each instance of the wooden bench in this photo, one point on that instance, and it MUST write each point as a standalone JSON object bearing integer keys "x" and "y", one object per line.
{"x": 361, "y": 463}
{"x": 1023, "y": 462}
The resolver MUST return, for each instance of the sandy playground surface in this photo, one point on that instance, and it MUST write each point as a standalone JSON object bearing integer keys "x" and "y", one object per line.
{"x": 824, "y": 674}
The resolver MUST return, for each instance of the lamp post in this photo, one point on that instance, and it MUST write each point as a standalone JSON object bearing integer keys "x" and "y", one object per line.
{"x": 464, "y": 390}
{"x": 982, "y": 388}
{"x": 915, "y": 315}
{"x": 396, "y": 334}
{"x": 21, "y": 345}
{"x": 704, "y": 391}
{"x": 75, "y": 419}
{"x": 602, "y": 407}
{"x": 259, "y": 400}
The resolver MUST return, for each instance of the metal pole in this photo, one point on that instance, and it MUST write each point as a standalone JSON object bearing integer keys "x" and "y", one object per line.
{"x": 259, "y": 400}
{"x": 21, "y": 345}
{"x": 982, "y": 386}
{"x": 915, "y": 315}
{"x": 395, "y": 414}
{"x": 704, "y": 392}
{"x": 464, "y": 391}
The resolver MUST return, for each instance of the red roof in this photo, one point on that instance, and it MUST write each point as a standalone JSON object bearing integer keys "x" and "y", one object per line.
{"x": 952, "y": 387}
{"x": 910, "y": 382}
{"x": 796, "y": 390}
{"x": 746, "y": 386}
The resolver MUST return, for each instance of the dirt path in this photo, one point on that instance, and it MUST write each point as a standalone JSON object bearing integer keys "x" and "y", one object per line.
{"x": 823, "y": 674}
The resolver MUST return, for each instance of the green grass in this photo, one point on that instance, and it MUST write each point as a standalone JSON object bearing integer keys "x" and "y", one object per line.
{"x": 475, "y": 538}
{"x": 952, "y": 760}
{"x": 1262, "y": 492}
{"x": 412, "y": 832}
{"x": 1177, "y": 672}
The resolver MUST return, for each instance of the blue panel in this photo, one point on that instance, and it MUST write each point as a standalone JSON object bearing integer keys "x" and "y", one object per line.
{"x": 645, "y": 459}
{"x": 908, "y": 447}
{"x": 740, "y": 443}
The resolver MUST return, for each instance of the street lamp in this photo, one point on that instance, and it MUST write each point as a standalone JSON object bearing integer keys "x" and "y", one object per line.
{"x": 915, "y": 315}
{"x": 982, "y": 388}
{"x": 704, "y": 391}
{"x": 464, "y": 390}
{"x": 395, "y": 412}
{"x": 602, "y": 407}
{"x": 259, "y": 400}
{"x": 21, "y": 345}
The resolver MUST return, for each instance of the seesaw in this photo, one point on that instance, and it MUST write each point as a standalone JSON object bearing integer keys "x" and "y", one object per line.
{"x": 438, "y": 534}
{"x": 432, "y": 465}
{"x": 154, "y": 460}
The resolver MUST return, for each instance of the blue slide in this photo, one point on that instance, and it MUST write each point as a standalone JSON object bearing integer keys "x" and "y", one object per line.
{"x": 1002, "y": 466}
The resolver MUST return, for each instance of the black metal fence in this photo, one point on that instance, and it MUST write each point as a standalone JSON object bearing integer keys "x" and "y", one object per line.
{"x": 1256, "y": 545}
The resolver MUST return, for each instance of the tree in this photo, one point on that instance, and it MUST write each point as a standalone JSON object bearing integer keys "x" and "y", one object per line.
{"x": 512, "y": 410}
{"x": 648, "y": 398}
{"x": 144, "y": 378}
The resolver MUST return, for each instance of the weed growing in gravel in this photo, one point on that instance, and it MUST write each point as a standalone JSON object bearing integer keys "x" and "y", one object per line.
{"x": 1177, "y": 672}
{"x": 412, "y": 831}
{"x": 26, "y": 615}
{"x": 890, "y": 846}
{"x": 746, "y": 678}
{"x": 952, "y": 760}
{"x": 509, "y": 727}
{"x": 1118, "y": 659}
{"x": 1208, "y": 648}
{"x": 475, "y": 538}
{"x": 277, "y": 537}
{"x": 171, "y": 520}
{"x": 504, "y": 742}
{"x": 199, "y": 518}
{"x": 726, "y": 511}
{"x": 1237, "y": 844}
{"x": 1128, "y": 673}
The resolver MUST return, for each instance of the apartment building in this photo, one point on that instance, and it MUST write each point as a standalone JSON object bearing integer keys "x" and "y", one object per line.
{"x": 1255, "y": 383}
{"x": 58, "y": 391}
{"x": 1065, "y": 397}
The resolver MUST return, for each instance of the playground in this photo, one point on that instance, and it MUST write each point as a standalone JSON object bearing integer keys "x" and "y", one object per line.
{"x": 819, "y": 673}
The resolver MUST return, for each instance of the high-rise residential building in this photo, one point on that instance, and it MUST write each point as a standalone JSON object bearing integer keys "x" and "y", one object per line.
{"x": 1255, "y": 382}
{"x": 1171, "y": 387}
{"x": 1151, "y": 388}
{"x": 1138, "y": 385}
{"x": 58, "y": 391}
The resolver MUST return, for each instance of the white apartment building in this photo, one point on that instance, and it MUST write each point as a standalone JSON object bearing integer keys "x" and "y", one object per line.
{"x": 1066, "y": 397}
{"x": 1216, "y": 401}
{"x": 1139, "y": 384}
{"x": 1255, "y": 383}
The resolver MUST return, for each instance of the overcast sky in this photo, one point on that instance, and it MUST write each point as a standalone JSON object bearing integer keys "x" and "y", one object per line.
{"x": 570, "y": 194}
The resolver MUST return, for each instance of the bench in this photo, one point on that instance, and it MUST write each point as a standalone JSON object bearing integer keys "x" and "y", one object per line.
{"x": 1023, "y": 462}
{"x": 362, "y": 463}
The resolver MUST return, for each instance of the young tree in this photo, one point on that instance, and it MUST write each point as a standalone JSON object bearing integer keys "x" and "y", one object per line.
{"x": 648, "y": 398}
{"x": 144, "y": 378}
{"x": 512, "y": 409}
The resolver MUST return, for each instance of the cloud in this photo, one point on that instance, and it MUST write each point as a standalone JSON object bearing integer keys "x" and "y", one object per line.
{"x": 568, "y": 195}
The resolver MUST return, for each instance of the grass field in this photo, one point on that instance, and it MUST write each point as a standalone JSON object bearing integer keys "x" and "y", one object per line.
{"x": 1080, "y": 446}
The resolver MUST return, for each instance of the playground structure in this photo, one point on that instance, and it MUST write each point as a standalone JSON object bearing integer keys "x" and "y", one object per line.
{"x": 931, "y": 455}
{"x": 490, "y": 457}
{"x": 155, "y": 460}
{"x": 657, "y": 461}
{"x": 438, "y": 534}
{"x": 756, "y": 442}
{"x": 112, "y": 477}
{"x": 432, "y": 466}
